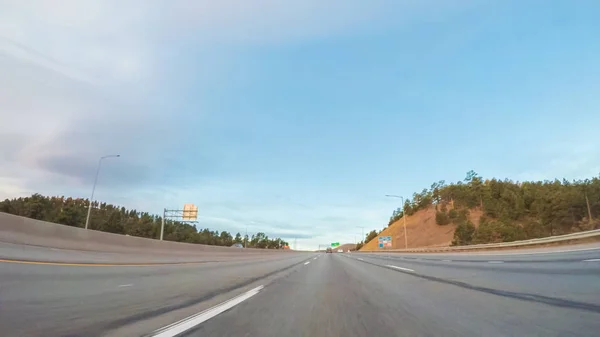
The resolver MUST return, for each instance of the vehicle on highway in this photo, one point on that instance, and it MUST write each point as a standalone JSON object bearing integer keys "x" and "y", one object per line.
{"x": 328, "y": 250}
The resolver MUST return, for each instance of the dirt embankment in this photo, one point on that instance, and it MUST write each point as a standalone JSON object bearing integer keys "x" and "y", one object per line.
{"x": 422, "y": 231}
{"x": 346, "y": 247}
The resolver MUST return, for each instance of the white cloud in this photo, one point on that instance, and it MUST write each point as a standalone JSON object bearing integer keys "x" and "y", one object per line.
{"x": 576, "y": 158}
{"x": 83, "y": 78}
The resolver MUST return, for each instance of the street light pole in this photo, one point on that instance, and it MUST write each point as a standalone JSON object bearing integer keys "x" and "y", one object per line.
{"x": 363, "y": 232}
{"x": 403, "y": 215}
{"x": 87, "y": 220}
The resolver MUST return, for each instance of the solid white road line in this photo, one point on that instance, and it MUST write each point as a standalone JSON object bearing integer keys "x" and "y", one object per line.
{"x": 307, "y": 262}
{"x": 396, "y": 267}
{"x": 126, "y": 285}
{"x": 190, "y": 322}
{"x": 495, "y": 261}
{"x": 592, "y": 260}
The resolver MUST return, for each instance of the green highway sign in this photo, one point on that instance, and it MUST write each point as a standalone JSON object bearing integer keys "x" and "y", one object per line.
{"x": 335, "y": 244}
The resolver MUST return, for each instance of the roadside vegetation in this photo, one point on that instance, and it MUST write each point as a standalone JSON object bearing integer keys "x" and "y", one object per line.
{"x": 511, "y": 210}
{"x": 119, "y": 220}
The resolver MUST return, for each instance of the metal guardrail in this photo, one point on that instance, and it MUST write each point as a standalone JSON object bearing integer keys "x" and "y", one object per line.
{"x": 531, "y": 242}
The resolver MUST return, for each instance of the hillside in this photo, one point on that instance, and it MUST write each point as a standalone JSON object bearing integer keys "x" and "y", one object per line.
{"x": 477, "y": 211}
{"x": 346, "y": 247}
{"x": 422, "y": 230}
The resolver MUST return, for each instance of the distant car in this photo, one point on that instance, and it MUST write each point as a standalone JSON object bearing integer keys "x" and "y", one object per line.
{"x": 328, "y": 250}
{"x": 237, "y": 245}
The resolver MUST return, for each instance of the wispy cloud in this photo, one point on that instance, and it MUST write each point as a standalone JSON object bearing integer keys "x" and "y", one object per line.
{"x": 208, "y": 102}
{"x": 84, "y": 79}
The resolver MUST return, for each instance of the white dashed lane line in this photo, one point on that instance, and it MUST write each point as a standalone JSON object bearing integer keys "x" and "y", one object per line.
{"x": 592, "y": 260}
{"x": 400, "y": 268}
{"x": 186, "y": 324}
{"x": 307, "y": 262}
{"x": 125, "y": 285}
{"x": 495, "y": 261}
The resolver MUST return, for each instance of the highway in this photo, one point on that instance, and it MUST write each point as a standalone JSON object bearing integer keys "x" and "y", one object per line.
{"x": 308, "y": 294}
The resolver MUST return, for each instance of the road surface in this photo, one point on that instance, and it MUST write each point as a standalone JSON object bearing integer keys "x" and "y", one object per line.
{"x": 549, "y": 294}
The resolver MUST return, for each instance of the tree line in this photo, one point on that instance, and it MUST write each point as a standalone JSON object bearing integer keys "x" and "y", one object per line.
{"x": 512, "y": 210}
{"x": 113, "y": 219}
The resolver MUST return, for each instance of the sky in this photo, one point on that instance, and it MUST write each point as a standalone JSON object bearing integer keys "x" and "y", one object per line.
{"x": 293, "y": 118}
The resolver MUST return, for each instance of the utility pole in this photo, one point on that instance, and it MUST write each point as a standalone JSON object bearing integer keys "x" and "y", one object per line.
{"x": 295, "y": 241}
{"x": 405, "y": 231}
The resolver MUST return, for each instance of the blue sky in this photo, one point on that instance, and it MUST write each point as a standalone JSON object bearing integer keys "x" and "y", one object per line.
{"x": 294, "y": 118}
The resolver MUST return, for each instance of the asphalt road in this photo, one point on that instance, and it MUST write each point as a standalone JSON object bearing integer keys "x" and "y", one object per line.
{"x": 80, "y": 300}
{"x": 311, "y": 295}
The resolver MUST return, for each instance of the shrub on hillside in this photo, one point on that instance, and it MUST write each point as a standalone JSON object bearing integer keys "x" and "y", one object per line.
{"x": 498, "y": 231}
{"x": 512, "y": 232}
{"x": 463, "y": 215}
{"x": 442, "y": 218}
{"x": 487, "y": 232}
{"x": 453, "y": 214}
{"x": 372, "y": 235}
{"x": 463, "y": 235}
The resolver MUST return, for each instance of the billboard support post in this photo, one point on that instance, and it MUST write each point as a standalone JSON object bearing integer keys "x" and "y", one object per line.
{"x": 162, "y": 224}
{"x": 188, "y": 214}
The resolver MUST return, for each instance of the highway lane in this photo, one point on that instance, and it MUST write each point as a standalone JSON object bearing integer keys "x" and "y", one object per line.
{"x": 574, "y": 274}
{"x": 310, "y": 295}
{"x": 49, "y": 300}
{"x": 339, "y": 295}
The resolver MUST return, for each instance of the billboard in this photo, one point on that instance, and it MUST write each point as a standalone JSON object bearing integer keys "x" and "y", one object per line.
{"x": 190, "y": 212}
{"x": 385, "y": 241}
